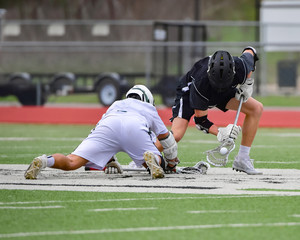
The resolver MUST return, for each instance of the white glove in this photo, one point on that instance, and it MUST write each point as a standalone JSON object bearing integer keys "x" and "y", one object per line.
{"x": 113, "y": 167}
{"x": 231, "y": 131}
{"x": 245, "y": 89}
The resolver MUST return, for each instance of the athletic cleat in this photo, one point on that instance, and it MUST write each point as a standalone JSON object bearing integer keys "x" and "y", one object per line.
{"x": 156, "y": 171}
{"x": 35, "y": 167}
{"x": 132, "y": 165}
{"x": 245, "y": 165}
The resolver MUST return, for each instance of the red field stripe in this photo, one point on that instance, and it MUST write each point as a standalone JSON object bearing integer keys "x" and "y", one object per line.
{"x": 59, "y": 115}
{"x": 51, "y": 115}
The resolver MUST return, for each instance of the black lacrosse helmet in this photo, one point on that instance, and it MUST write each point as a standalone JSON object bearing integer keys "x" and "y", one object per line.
{"x": 221, "y": 70}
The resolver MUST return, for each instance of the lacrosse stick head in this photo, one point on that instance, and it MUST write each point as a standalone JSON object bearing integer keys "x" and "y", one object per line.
{"x": 217, "y": 158}
{"x": 200, "y": 168}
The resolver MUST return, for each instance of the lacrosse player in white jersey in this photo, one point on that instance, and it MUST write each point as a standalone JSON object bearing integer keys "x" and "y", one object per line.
{"x": 131, "y": 126}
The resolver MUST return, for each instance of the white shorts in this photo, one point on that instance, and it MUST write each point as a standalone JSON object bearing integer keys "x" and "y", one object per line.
{"x": 117, "y": 134}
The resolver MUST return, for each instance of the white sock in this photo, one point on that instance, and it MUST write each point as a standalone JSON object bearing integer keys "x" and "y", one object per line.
{"x": 244, "y": 151}
{"x": 50, "y": 161}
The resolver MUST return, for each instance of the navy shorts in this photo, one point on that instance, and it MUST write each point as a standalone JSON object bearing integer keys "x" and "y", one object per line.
{"x": 183, "y": 109}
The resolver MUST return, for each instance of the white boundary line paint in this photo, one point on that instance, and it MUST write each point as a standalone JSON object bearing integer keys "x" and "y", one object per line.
{"x": 270, "y": 162}
{"x": 135, "y": 199}
{"x": 38, "y": 207}
{"x": 148, "y": 229}
{"x": 267, "y": 162}
{"x": 39, "y": 138}
{"x": 121, "y": 209}
{"x": 220, "y": 211}
{"x": 275, "y": 146}
{"x": 282, "y": 134}
{"x": 80, "y": 138}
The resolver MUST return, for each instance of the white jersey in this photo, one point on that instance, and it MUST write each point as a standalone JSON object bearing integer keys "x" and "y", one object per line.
{"x": 141, "y": 110}
{"x": 128, "y": 126}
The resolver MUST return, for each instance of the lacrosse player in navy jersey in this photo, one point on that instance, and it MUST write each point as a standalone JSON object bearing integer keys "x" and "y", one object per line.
{"x": 219, "y": 81}
{"x": 130, "y": 125}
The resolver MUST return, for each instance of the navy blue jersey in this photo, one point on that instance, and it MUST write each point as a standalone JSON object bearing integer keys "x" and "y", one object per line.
{"x": 196, "y": 84}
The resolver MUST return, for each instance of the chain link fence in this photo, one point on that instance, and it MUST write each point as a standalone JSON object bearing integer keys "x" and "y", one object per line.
{"x": 146, "y": 50}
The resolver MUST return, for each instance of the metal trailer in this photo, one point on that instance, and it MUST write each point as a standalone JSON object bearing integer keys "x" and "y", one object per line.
{"x": 33, "y": 88}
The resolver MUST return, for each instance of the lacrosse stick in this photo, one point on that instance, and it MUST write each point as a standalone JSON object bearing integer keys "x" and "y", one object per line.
{"x": 219, "y": 156}
{"x": 200, "y": 168}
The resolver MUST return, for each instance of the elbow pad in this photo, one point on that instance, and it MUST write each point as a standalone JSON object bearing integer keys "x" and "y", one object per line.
{"x": 170, "y": 147}
{"x": 203, "y": 124}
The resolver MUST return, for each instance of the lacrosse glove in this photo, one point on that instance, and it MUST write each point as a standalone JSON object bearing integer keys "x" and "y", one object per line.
{"x": 113, "y": 167}
{"x": 231, "y": 131}
{"x": 245, "y": 89}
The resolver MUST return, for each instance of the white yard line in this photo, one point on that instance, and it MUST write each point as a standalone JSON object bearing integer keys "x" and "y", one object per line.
{"x": 149, "y": 229}
{"x": 121, "y": 209}
{"x": 282, "y": 134}
{"x": 219, "y": 211}
{"x": 38, "y": 207}
{"x": 40, "y": 138}
{"x": 276, "y": 146}
{"x": 273, "y": 162}
{"x": 132, "y": 199}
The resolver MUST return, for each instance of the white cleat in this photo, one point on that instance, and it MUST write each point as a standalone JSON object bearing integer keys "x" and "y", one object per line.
{"x": 245, "y": 165}
{"x": 156, "y": 171}
{"x": 35, "y": 167}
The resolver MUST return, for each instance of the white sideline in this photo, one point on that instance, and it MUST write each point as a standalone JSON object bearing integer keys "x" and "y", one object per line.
{"x": 220, "y": 211}
{"x": 148, "y": 229}
{"x": 38, "y": 207}
{"x": 121, "y": 209}
{"x": 133, "y": 199}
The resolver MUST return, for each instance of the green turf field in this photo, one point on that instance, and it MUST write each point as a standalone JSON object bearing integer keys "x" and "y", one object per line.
{"x": 272, "y": 148}
{"x": 76, "y": 215}
{"x": 57, "y": 215}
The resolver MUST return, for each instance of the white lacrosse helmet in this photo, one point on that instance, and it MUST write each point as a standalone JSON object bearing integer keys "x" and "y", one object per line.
{"x": 143, "y": 92}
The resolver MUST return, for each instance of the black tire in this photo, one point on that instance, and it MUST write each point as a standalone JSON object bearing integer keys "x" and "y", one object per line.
{"x": 167, "y": 89}
{"x": 168, "y": 101}
{"x": 19, "y": 81}
{"x": 108, "y": 91}
{"x": 59, "y": 85}
{"x": 27, "y": 96}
